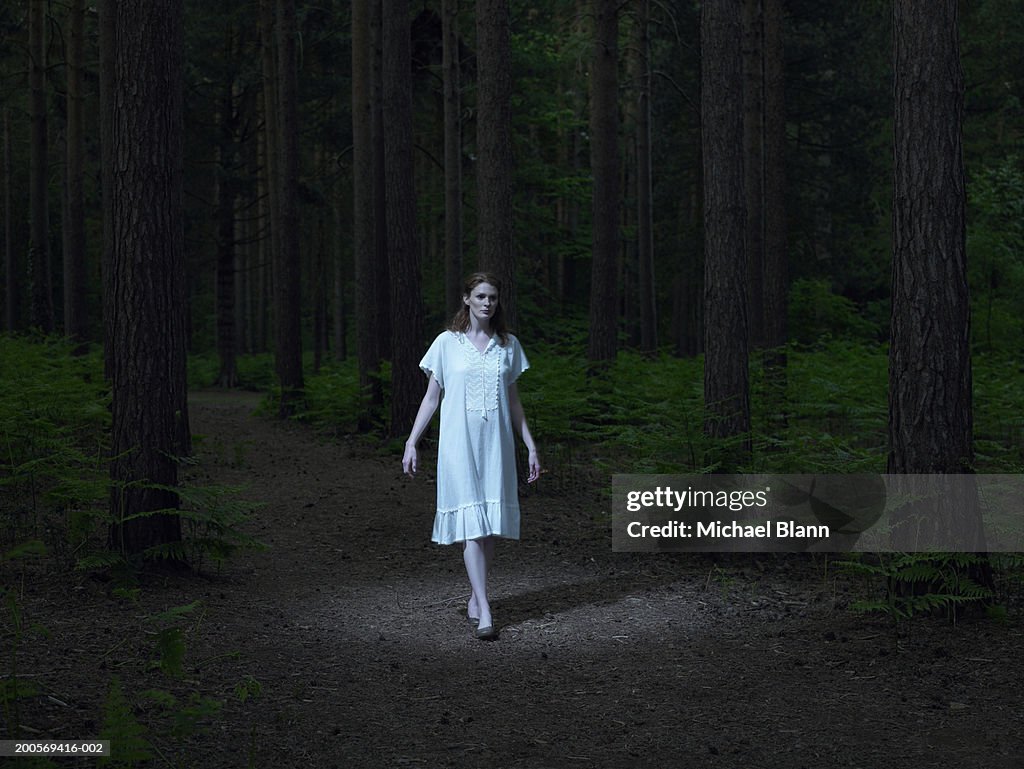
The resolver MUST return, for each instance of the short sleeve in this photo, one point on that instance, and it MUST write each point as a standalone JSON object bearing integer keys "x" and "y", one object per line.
{"x": 433, "y": 361}
{"x": 517, "y": 359}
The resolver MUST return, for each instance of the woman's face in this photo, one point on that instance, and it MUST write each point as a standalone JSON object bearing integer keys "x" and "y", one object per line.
{"x": 482, "y": 302}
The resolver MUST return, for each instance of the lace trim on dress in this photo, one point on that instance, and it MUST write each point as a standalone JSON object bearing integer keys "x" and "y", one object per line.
{"x": 484, "y": 377}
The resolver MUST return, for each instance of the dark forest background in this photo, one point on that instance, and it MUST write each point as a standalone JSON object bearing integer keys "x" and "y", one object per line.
{"x": 751, "y": 234}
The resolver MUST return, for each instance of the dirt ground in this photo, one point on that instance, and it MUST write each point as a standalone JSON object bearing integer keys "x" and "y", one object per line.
{"x": 352, "y": 627}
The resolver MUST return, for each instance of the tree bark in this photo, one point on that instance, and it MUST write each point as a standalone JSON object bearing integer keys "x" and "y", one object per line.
{"x": 288, "y": 277}
{"x": 227, "y": 328}
{"x": 364, "y": 212}
{"x": 644, "y": 190}
{"x": 776, "y": 279}
{"x": 753, "y": 166}
{"x": 403, "y": 249}
{"x": 604, "y": 163}
{"x": 494, "y": 148}
{"x": 930, "y": 406}
{"x": 40, "y": 280}
{"x": 12, "y": 283}
{"x": 75, "y": 325}
{"x": 144, "y": 289}
{"x": 381, "y": 264}
{"x": 451, "y": 68}
{"x": 726, "y": 388}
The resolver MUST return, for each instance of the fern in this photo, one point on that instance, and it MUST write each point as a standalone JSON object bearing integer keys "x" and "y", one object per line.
{"x": 128, "y": 743}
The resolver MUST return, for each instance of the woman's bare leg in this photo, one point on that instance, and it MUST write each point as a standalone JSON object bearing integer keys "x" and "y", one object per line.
{"x": 477, "y": 554}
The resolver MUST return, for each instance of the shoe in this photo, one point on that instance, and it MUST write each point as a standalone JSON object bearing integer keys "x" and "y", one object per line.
{"x": 488, "y": 633}
{"x": 474, "y": 621}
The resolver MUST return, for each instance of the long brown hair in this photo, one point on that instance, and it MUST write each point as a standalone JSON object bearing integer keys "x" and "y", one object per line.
{"x": 460, "y": 321}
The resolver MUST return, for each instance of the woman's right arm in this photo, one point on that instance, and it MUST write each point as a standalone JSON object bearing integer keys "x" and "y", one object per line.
{"x": 428, "y": 406}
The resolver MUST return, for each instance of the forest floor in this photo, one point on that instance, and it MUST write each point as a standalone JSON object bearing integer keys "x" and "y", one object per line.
{"x": 353, "y": 625}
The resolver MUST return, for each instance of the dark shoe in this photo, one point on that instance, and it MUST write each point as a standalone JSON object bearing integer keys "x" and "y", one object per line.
{"x": 488, "y": 633}
{"x": 474, "y": 621}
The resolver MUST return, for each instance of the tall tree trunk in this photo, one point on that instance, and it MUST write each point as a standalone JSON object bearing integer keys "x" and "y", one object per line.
{"x": 382, "y": 262}
{"x": 930, "y": 387}
{"x": 776, "y": 280}
{"x": 753, "y": 166}
{"x": 288, "y": 277}
{"x": 40, "y": 280}
{"x": 12, "y": 283}
{"x": 604, "y": 163}
{"x": 340, "y": 279}
{"x": 227, "y": 329}
{"x": 644, "y": 190}
{"x": 364, "y": 212}
{"x": 107, "y": 18}
{"x": 451, "y": 67}
{"x": 145, "y": 287}
{"x": 494, "y": 148}
{"x": 403, "y": 250}
{"x": 75, "y": 326}
{"x": 726, "y": 387}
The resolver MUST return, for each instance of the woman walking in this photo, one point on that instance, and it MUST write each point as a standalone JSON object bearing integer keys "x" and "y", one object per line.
{"x": 475, "y": 365}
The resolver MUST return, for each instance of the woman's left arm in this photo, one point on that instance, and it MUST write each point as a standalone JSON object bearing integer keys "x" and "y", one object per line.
{"x": 519, "y": 423}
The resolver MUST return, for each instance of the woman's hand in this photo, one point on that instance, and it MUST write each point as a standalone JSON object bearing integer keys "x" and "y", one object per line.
{"x": 410, "y": 460}
{"x": 535, "y": 470}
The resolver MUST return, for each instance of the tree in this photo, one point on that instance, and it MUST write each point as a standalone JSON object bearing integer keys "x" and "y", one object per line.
{"x": 144, "y": 287}
{"x": 494, "y": 148}
{"x": 451, "y": 67}
{"x": 776, "y": 281}
{"x": 726, "y": 389}
{"x": 403, "y": 249}
{"x": 930, "y": 382}
{"x": 40, "y": 280}
{"x": 644, "y": 191}
{"x": 753, "y": 164}
{"x": 11, "y": 292}
{"x": 287, "y": 277}
{"x": 604, "y": 165}
{"x": 75, "y": 325}
{"x": 226, "y": 193}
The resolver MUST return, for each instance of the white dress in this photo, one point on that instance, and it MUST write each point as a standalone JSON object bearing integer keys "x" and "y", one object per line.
{"x": 477, "y": 492}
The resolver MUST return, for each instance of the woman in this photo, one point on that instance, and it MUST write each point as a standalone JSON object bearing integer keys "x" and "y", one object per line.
{"x": 475, "y": 363}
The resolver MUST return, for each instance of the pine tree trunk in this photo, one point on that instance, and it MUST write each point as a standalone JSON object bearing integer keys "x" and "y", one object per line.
{"x": 726, "y": 388}
{"x": 144, "y": 290}
{"x": 364, "y": 212}
{"x": 776, "y": 280}
{"x": 12, "y": 284}
{"x": 403, "y": 250}
{"x": 227, "y": 330}
{"x": 39, "y": 240}
{"x": 930, "y": 406}
{"x": 381, "y": 264}
{"x": 494, "y": 148}
{"x": 753, "y": 165}
{"x": 75, "y": 326}
{"x": 644, "y": 190}
{"x": 288, "y": 276}
{"x": 451, "y": 67}
{"x": 272, "y": 161}
{"x": 604, "y": 163}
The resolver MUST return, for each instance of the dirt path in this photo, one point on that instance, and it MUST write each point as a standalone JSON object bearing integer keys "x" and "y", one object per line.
{"x": 353, "y": 624}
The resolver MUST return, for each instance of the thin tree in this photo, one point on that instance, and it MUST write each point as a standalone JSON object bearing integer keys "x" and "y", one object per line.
{"x": 644, "y": 190}
{"x": 451, "y": 69}
{"x": 494, "y": 148}
{"x": 40, "y": 280}
{"x": 604, "y": 164}
{"x": 403, "y": 249}
{"x": 753, "y": 163}
{"x": 11, "y": 282}
{"x": 74, "y": 226}
{"x": 227, "y": 298}
{"x": 287, "y": 277}
{"x": 726, "y": 387}
{"x": 363, "y": 208}
{"x": 776, "y": 281}
{"x": 144, "y": 287}
{"x": 930, "y": 383}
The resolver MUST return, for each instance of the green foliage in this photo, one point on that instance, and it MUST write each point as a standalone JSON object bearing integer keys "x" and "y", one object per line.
{"x": 919, "y": 583}
{"x": 13, "y": 688}
{"x": 816, "y": 313}
{"x": 128, "y": 742}
{"x": 995, "y": 245}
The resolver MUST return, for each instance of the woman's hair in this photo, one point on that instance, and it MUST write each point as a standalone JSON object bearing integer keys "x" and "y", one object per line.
{"x": 460, "y": 321}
